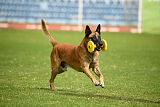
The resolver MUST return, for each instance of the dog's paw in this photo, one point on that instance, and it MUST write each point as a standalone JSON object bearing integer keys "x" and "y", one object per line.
{"x": 52, "y": 88}
{"x": 102, "y": 85}
{"x": 96, "y": 84}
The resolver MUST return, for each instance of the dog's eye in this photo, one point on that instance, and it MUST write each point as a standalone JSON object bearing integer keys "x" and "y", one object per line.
{"x": 94, "y": 37}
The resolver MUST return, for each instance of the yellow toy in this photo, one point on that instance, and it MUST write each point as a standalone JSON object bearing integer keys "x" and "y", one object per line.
{"x": 104, "y": 48}
{"x": 91, "y": 46}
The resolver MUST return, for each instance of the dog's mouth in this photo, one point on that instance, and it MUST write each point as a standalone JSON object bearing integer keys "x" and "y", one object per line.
{"x": 99, "y": 46}
{"x": 98, "y": 49}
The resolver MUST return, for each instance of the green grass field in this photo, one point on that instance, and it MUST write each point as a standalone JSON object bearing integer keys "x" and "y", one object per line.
{"x": 131, "y": 69}
{"x": 151, "y": 17}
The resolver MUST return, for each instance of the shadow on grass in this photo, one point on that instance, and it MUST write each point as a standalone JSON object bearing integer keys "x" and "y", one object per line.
{"x": 70, "y": 92}
{"x": 91, "y": 95}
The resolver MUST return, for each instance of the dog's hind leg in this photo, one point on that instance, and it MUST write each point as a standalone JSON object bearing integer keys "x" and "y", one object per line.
{"x": 53, "y": 75}
{"x": 54, "y": 67}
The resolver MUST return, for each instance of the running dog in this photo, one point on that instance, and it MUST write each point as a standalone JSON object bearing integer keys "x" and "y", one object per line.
{"x": 77, "y": 57}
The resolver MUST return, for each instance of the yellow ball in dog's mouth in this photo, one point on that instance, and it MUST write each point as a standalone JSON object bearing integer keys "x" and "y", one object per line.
{"x": 90, "y": 46}
{"x": 104, "y": 47}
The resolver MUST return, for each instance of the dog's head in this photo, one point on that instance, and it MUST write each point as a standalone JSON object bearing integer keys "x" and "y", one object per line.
{"x": 95, "y": 37}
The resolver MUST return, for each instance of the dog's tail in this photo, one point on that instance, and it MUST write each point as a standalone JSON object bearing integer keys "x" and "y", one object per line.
{"x": 47, "y": 34}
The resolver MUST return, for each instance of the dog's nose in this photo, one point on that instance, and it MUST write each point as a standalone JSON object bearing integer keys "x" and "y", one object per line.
{"x": 101, "y": 44}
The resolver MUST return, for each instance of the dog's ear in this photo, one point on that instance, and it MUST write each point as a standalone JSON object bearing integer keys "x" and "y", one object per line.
{"x": 98, "y": 29}
{"x": 87, "y": 31}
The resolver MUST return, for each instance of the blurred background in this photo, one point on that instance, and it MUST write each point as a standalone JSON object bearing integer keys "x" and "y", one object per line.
{"x": 92, "y": 12}
{"x": 120, "y": 13}
{"x": 126, "y": 15}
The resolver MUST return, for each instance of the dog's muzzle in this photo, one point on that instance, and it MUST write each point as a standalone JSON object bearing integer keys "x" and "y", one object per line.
{"x": 99, "y": 46}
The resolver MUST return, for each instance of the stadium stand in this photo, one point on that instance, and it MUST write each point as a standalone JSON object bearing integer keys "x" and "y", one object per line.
{"x": 105, "y": 12}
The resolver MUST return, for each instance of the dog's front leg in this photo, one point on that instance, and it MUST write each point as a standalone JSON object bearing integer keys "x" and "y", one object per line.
{"x": 89, "y": 74}
{"x": 99, "y": 74}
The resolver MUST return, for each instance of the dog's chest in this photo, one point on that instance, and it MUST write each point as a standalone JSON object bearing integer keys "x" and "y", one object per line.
{"x": 93, "y": 57}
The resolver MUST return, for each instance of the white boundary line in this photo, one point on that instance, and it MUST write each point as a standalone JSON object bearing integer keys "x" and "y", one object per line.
{"x": 140, "y": 17}
{"x": 80, "y": 14}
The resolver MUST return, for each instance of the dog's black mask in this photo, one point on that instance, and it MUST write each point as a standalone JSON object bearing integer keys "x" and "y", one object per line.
{"x": 97, "y": 41}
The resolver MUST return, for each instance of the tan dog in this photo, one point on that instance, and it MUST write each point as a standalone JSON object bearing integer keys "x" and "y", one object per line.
{"x": 77, "y": 57}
